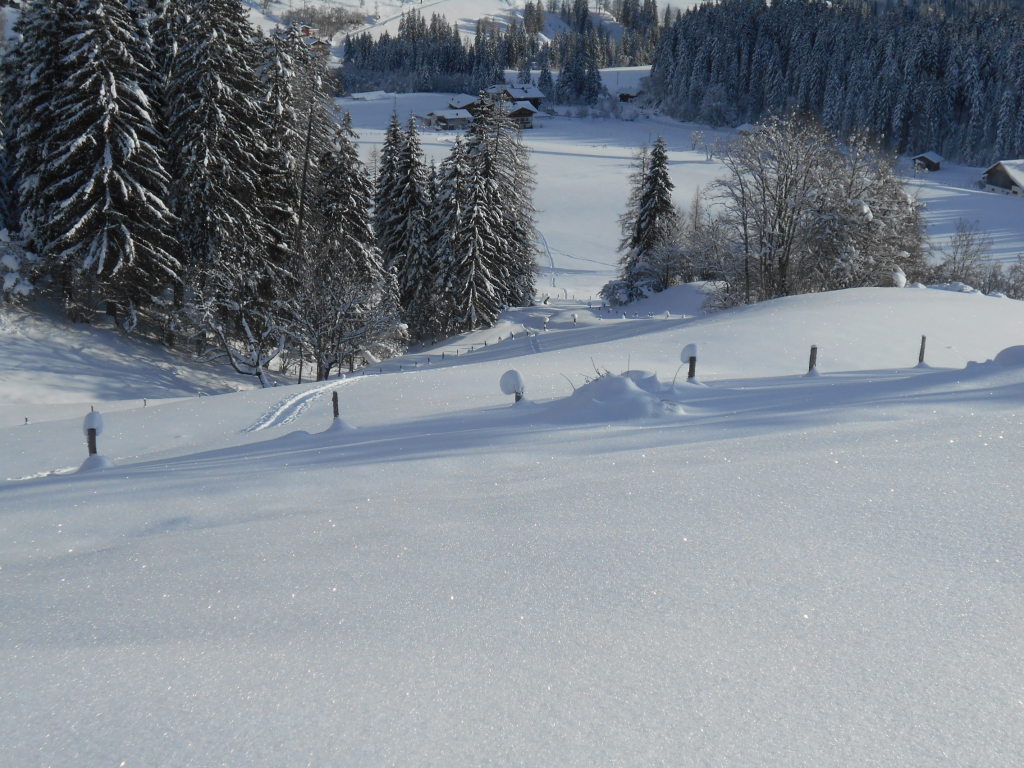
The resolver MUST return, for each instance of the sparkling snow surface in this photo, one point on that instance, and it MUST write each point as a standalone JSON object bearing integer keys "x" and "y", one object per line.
{"x": 766, "y": 570}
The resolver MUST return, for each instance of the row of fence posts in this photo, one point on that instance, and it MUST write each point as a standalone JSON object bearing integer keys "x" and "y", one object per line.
{"x": 93, "y": 424}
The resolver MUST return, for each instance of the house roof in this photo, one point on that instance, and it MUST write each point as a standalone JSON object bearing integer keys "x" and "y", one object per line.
{"x": 932, "y": 157}
{"x": 451, "y": 114}
{"x": 461, "y": 101}
{"x": 1014, "y": 169}
{"x": 517, "y": 92}
{"x": 518, "y": 108}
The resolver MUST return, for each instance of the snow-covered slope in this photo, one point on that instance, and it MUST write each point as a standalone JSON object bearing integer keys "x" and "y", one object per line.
{"x": 776, "y": 570}
{"x": 52, "y": 370}
{"x": 769, "y": 569}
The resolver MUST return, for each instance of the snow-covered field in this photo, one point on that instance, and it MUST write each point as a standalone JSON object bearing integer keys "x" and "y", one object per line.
{"x": 769, "y": 569}
{"x": 582, "y": 168}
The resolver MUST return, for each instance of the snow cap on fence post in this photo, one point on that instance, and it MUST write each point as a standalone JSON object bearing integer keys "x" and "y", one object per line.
{"x": 92, "y": 427}
{"x": 93, "y": 420}
{"x": 512, "y": 384}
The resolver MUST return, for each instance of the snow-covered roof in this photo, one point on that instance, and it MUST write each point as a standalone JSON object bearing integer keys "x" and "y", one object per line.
{"x": 932, "y": 157}
{"x": 1014, "y": 169}
{"x": 461, "y": 101}
{"x": 514, "y": 107}
{"x": 451, "y": 114}
{"x": 517, "y": 92}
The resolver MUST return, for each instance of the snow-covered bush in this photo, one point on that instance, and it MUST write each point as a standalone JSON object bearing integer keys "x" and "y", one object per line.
{"x": 15, "y": 267}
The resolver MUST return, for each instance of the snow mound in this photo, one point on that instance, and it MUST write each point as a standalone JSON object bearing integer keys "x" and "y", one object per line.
{"x": 96, "y": 462}
{"x": 1011, "y": 356}
{"x": 633, "y": 395}
{"x": 338, "y": 425}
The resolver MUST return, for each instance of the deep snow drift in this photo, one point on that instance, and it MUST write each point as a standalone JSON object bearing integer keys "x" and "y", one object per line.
{"x": 789, "y": 571}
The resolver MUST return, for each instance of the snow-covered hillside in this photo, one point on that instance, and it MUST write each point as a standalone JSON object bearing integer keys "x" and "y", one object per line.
{"x": 759, "y": 567}
{"x": 385, "y": 15}
{"x": 767, "y": 569}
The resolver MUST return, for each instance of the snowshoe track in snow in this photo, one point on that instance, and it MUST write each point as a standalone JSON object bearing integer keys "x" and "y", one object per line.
{"x": 289, "y": 409}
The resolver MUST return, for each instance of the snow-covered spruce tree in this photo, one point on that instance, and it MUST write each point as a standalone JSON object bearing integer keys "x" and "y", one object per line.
{"x": 650, "y": 225}
{"x": 344, "y": 303}
{"x": 33, "y": 70}
{"x": 474, "y": 279}
{"x": 302, "y": 118}
{"x": 218, "y": 159}
{"x": 414, "y": 264}
{"x": 493, "y": 264}
{"x": 544, "y": 81}
{"x": 449, "y": 202}
{"x": 516, "y": 182}
{"x": 385, "y": 223}
{"x": 111, "y": 232}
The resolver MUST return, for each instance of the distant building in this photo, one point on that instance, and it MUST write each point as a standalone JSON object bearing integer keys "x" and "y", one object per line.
{"x": 528, "y": 93}
{"x": 309, "y": 37}
{"x": 1006, "y": 176}
{"x": 747, "y": 129}
{"x": 447, "y": 119}
{"x": 462, "y": 101}
{"x": 521, "y": 112}
{"x": 928, "y": 161}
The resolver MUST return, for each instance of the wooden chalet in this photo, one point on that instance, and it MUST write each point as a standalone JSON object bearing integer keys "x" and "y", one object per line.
{"x": 447, "y": 119}
{"x": 521, "y": 112}
{"x": 462, "y": 101}
{"x": 927, "y": 161}
{"x": 518, "y": 93}
{"x": 1006, "y": 176}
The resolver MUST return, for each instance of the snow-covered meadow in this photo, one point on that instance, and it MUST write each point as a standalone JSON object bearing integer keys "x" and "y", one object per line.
{"x": 762, "y": 568}
{"x": 767, "y": 569}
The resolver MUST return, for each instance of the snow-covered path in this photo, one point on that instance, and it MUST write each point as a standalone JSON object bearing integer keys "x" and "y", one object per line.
{"x": 291, "y": 407}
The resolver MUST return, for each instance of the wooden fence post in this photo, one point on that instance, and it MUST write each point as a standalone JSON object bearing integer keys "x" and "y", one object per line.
{"x": 920, "y": 355}
{"x": 334, "y": 403}
{"x": 814, "y": 359}
{"x": 693, "y": 368}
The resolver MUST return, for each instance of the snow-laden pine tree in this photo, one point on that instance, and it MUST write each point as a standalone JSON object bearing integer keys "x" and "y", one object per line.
{"x": 345, "y": 303}
{"x": 218, "y": 158}
{"x": 386, "y": 224}
{"x": 649, "y": 223}
{"x": 216, "y": 139}
{"x": 110, "y": 236}
{"x": 493, "y": 262}
{"x": 449, "y": 202}
{"x": 302, "y": 118}
{"x": 33, "y": 70}
{"x": 514, "y": 199}
{"x": 414, "y": 262}
{"x": 474, "y": 275}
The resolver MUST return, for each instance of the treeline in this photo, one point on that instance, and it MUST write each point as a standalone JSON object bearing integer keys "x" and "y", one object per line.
{"x": 947, "y": 76}
{"x": 191, "y": 178}
{"x": 460, "y": 238}
{"x": 431, "y": 56}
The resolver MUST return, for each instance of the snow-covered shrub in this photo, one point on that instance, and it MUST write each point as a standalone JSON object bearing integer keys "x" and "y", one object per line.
{"x": 15, "y": 269}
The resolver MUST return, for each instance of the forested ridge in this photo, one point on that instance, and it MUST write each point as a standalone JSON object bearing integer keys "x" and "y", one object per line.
{"x": 947, "y": 77}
